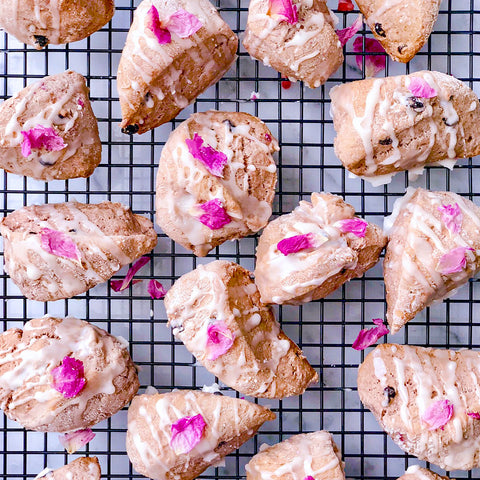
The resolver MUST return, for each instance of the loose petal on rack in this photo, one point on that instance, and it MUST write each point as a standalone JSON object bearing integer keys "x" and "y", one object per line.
{"x": 452, "y": 217}
{"x": 438, "y": 414}
{"x": 154, "y": 24}
{"x": 285, "y": 10}
{"x": 368, "y": 337}
{"x": 356, "y": 225}
{"x": 345, "y": 5}
{"x": 59, "y": 244}
{"x": 453, "y": 261}
{"x": 420, "y": 88}
{"x": 213, "y": 160}
{"x": 156, "y": 289}
{"x": 345, "y": 34}
{"x": 120, "y": 285}
{"x": 215, "y": 216}
{"x": 373, "y": 63}
{"x": 74, "y": 441}
{"x": 295, "y": 244}
{"x": 219, "y": 340}
{"x": 184, "y": 24}
{"x": 69, "y": 377}
{"x": 254, "y": 96}
{"x": 41, "y": 137}
{"x": 187, "y": 433}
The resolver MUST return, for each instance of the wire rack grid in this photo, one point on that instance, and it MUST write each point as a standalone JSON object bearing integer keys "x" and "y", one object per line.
{"x": 324, "y": 329}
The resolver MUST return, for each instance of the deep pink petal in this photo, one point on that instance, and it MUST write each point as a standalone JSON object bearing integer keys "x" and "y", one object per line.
{"x": 474, "y": 415}
{"x": 285, "y": 10}
{"x": 453, "y": 261}
{"x": 215, "y": 216}
{"x": 187, "y": 433}
{"x": 213, "y": 160}
{"x": 184, "y": 24}
{"x": 345, "y": 5}
{"x": 76, "y": 440}
{"x": 41, "y": 137}
{"x": 219, "y": 340}
{"x": 373, "y": 63}
{"x": 356, "y": 225}
{"x": 295, "y": 244}
{"x": 69, "y": 377}
{"x": 438, "y": 414}
{"x": 309, "y": 478}
{"x": 345, "y": 34}
{"x": 420, "y": 88}
{"x": 452, "y": 217}
{"x": 156, "y": 289}
{"x": 120, "y": 285}
{"x": 59, "y": 244}
{"x": 154, "y": 24}
{"x": 370, "y": 336}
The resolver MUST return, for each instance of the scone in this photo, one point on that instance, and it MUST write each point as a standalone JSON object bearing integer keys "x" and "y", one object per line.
{"x": 427, "y": 400}
{"x": 217, "y": 313}
{"x": 305, "y": 456}
{"x": 84, "y": 468}
{"x": 216, "y": 179}
{"x": 48, "y": 130}
{"x": 415, "y": 472}
{"x": 62, "y": 375}
{"x": 315, "y": 249}
{"x": 38, "y": 23}
{"x": 433, "y": 248}
{"x": 174, "y": 51}
{"x": 387, "y": 125}
{"x": 180, "y": 434}
{"x": 60, "y": 250}
{"x": 402, "y": 27}
{"x": 295, "y": 37}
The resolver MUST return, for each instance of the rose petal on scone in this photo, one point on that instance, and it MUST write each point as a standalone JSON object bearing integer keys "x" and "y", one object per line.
{"x": 228, "y": 423}
{"x": 341, "y": 247}
{"x": 85, "y": 468}
{"x": 216, "y": 311}
{"x": 156, "y": 81}
{"x": 401, "y": 384}
{"x": 433, "y": 248}
{"x": 308, "y": 455}
{"x": 415, "y": 472}
{"x": 52, "y": 21}
{"x": 48, "y": 130}
{"x": 306, "y": 49}
{"x": 107, "y": 236}
{"x": 28, "y": 356}
{"x": 222, "y": 157}
{"x": 384, "y": 128}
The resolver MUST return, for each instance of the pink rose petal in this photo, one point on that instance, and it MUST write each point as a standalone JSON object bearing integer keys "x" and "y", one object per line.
{"x": 215, "y": 216}
{"x": 474, "y": 415}
{"x": 219, "y": 340}
{"x": 72, "y": 442}
{"x": 309, "y": 478}
{"x": 154, "y": 24}
{"x": 69, "y": 377}
{"x": 213, "y": 160}
{"x": 41, "y": 137}
{"x": 284, "y": 10}
{"x": 345, "y": 5}
{"x": 120, "y": 285}
{"x": 345, "y": 34}
{"x": 438, "y": 414}
{"x": 368, "y": 337}
{"x": 183, "y": 24}
{"x": 80, "y": 103}
{"x": 453, "y": 261}
{"x": 59, "y": 244}
{"x": 295, "y": 244}
{"x": 187, "y": 433}
{"x": 452, "y": 217}
{"x": 420, "y": 88}
{"x": 356, "y": 225}
{"x": 373, "y": 63}
{"x": 254, "y": 96}
{"x": 156, "y": 289}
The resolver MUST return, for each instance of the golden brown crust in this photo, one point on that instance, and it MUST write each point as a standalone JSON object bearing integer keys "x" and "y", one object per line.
{"x": 85, "y": 468}
{"x": 415, "y": 472}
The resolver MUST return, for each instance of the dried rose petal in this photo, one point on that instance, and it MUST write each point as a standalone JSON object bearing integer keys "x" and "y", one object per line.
{"x": 345, "y": 5}
{"x": 80, "y": 103}
{"x": 156, "y": 289}
{"x": 187, "y": 433}
{"x": 309, "y": 478}
{"x": 356, "y": 225}
{"x": 74, "y": 441}
{"x": 453, "y": 261}
{"x": 41, "y": 137}
{"x": 69, "y": 377}
{"x": 286, "y": 84}
{"x": 154, "y": 24}
{"x": 368, "y": 337}
{"x": 474, "y": 415}
{"x": 452, "y": 217}
{"x": 219, "y": 340}
{"x": 295, "y": 244}
{"x": 215, "y": 216}
{"x": 120, "y": 285}
{"x": 254, "y": 96}
{"x": 59, "y": 244}
{"x": 183, "y": 24}
{"x": 420, "y": 88}
{"x": 345, "y": 34}
{"x": 213, "y": 160}
{"x": 373, "y": 63}
{"x": 285, "y": 10}
{"x": 438, "y": 414}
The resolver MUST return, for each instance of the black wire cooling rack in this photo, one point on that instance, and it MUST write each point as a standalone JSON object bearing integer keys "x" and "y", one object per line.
{"x": 325, "y": 329}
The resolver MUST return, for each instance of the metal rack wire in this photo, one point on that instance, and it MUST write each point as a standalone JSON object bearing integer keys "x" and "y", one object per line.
{"x": 325, "y": 329}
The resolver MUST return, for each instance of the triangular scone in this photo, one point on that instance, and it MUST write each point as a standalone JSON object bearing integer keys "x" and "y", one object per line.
{"x": 427, "y": 400}
{"x": 28, "y": 357}
{"x": 85, "y": 468}
{"x": 402, "y": 27}
{"x": 383, "y": 127}
{"x": 228, "y": 423}
{"x": 420, "y": 235}
{"x": 335, "y": 256}
{"x": 245, "y": 187}
{"x": 299, "y": 457}
{"x": 60, "y": 103}
{"x": 156, "y": 81}
{"x": 219, "y": 301}
{"x": 415, "y": 472}
{"x": 60, "y": 250}
{"x": 307, "y": 49}
{"x": 40, "y": 22}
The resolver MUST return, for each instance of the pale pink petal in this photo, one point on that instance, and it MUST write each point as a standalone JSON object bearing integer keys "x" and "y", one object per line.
{"x": 453, "y": 261}
{"x": 345, "y": 5}
{"x": 373, "y": 63}
{"x": 295, "y": 244}
{"x": 215, "y": 216}
{"x": 41, "y": 137}
{"x": 474, "y": 415}
{"x": 59, "y": 244}
{"x": 254, "y": 96}
{"x": 72, "y": 442}
{"x": 452, "y": 217}
{"x": 156, "y": 289}
{"x": 69, "y": 377}
{"x": 284, "y": 10}
{"x": 368, "y": 337}
{"x": 219, "y": 340}
{"x": 187, "y": 433}
{"x": 355, "y": 225}
{"x": 438, "y": 414}
{"x": 120, "y": 285}
{"x": 213, "y": 160}
{"x": 184, "y": 24}
{"x": 420, "y": 88}
{"x": 154, "y": 24}
{"x": 345, "y": 34}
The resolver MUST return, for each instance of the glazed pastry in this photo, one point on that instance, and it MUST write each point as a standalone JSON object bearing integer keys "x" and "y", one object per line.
{"x": 299, "y": 42}
{"x": 401, "y": 27}
{"x": 180, "y": 434}
{"x": 304, "y": 456}
{"x": 433, "y": 248}
{"x": 36, "y": 388}
{"x": 40, "y": 22}
{"x": 60, "y": 250}
{"x": 387, "y": 125}
{"x": 221, "y": 160}
{"x": 216, "y": 312}
{"x": 427, "y": 400}
{"x": 85, "y": 468}
{"x": 48, "y": 130}
{"x": 415, "y": 472}
{"x": 174, "y": 51}
{"x": 309, "y": 253}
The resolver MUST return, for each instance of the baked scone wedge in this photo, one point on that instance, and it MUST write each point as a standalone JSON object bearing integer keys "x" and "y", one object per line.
{"x": 402, "y": 27}
{"x": 415, "y": 472}
{"x": 433, "y": 248}
{"x": 308, "y": 455}
{"x": 182, "y": 433}
{"x": 216, "y": 179}
{"x": 174, "y": 51}
{"x": 427, "y": 400}
{"x": 48, "y": 130}
{"x": 299, "y": 42}
{"x": 310, "y": 252}
{"x": 38, "y": 23}
{"x": 60, "y": 250}
{"x": 38, "y": 388}
{"x": 84, "y": 468}
{"x": 387, "y": 125}
{"x": 216, "y": 311}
